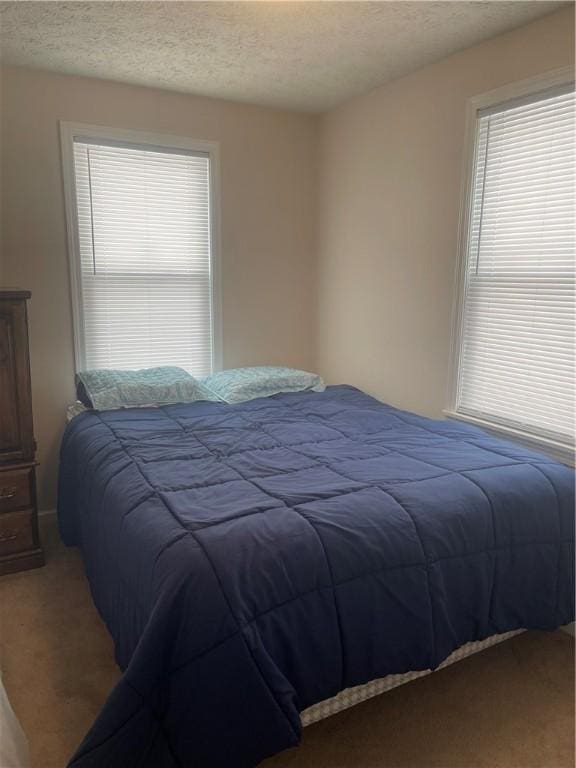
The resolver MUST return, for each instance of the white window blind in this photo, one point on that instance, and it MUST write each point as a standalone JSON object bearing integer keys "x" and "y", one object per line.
{"x": 145, "y": 256}
{"x": 516, "y": 362}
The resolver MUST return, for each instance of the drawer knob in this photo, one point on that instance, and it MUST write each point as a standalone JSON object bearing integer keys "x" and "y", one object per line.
{"x": 8, "y": 536}
{"x": 7, "y": 493}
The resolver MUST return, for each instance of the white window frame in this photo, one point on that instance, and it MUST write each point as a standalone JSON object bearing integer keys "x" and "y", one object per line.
{"x": 71, "y": 131}
{"x": 533, "y": 85}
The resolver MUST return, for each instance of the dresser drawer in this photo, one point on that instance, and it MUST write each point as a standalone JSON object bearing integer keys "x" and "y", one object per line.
{"x": 16, "y": 533}
{"x": 16, "y": 489}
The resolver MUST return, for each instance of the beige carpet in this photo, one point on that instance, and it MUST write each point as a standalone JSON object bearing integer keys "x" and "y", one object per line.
{"x": 511, "y": 706}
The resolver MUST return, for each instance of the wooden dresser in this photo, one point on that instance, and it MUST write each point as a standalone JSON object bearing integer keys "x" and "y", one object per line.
{"x": 19, "y": 542}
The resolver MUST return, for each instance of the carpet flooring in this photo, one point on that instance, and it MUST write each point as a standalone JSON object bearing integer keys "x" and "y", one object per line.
{"x": 511, "y": 706}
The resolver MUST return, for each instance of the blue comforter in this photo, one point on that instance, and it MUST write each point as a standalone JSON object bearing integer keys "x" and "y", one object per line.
{"x": 252, "y": 560}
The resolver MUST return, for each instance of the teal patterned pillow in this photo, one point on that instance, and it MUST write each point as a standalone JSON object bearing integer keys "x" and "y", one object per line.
{"x": 240, "y": 384}
{"x": 107, "y": 389}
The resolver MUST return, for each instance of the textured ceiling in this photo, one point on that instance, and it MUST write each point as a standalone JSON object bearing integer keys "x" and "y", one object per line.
{"x": 298, "y": 55}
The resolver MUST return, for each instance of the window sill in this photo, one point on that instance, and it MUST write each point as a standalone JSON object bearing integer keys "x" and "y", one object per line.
{"x": 557, "y": 450}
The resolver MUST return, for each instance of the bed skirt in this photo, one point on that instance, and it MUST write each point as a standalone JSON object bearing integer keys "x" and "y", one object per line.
{"x": 349, "y": 697}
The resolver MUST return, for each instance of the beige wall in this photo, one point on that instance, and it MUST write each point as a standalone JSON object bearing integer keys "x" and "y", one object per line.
{"x": 268, "y": 217}
{"x": 389, "y": 203}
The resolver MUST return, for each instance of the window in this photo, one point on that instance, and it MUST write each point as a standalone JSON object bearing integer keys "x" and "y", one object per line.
{"x": 516, "y": 320}
{"x": 141, "y": 221}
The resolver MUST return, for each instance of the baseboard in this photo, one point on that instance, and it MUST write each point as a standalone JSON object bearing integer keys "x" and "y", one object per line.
{"x": 46, "y": 512}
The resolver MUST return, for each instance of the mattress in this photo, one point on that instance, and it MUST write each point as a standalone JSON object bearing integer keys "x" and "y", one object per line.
{"x": 75, "y": 409}
{"x": 251, "y": 561}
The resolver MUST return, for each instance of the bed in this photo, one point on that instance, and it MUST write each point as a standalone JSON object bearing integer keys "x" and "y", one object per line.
{"x": 252, "y": 562}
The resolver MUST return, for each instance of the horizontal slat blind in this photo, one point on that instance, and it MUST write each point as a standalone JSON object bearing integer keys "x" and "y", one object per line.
{"x": 144, "y": 232}
{"x": 517, "y": 341}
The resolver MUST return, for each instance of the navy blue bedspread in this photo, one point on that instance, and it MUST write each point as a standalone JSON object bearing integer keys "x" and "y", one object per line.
{"x": 252, "y": 560}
